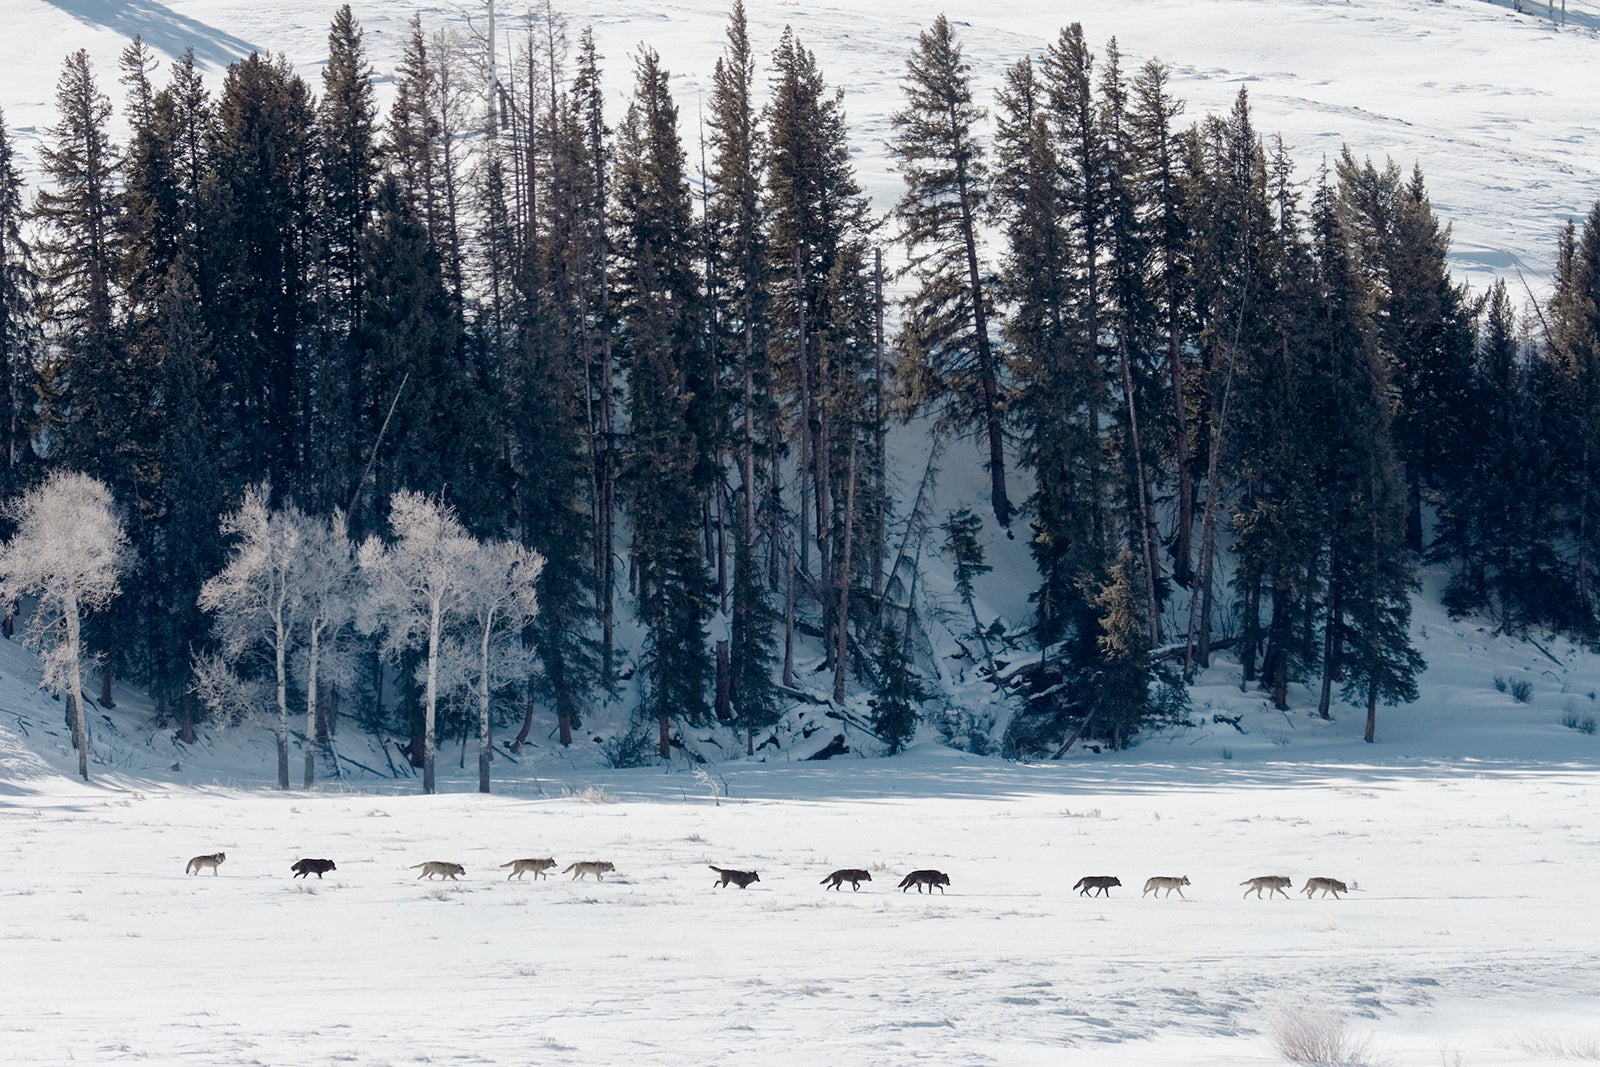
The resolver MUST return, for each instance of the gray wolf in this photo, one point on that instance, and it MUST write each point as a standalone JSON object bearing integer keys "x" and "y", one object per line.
{"x": 1100, "y": 882}
{"x": 1327, "y": 885}
{"x": 539, "y": 867}
{"x": 200, "y": 863}
{"x": 598, "y": 868}
{"x": 925, "y": 878}
{"x": 742, "y": 879}
{"x": 854, "y": 877}
{"x": 439, "y": 869}
{"x": 1273, "y": 883}
{"x": 1169, "y": 884}
{"x": 301, "y": 868}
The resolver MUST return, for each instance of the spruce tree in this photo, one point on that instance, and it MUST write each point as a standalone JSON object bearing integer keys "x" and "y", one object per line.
{"x": 257, "y": 288}
{"x": 666, "y": 457}
{"x": 19, "y": 323}
{"x": 950, "y": 359}
{"x": 738, "y": 252}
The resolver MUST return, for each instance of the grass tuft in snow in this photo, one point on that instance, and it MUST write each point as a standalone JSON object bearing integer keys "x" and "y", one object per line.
{"x": 1521, "y": 690}
{"x": 1558, "y": 1047}
{"x": 1584, "y": 724}
{"x": 1319, "y": 1037}
{"x": 593, "y": 794}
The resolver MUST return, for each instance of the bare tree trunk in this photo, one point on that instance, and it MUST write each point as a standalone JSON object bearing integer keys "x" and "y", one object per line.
{"x": 429, "y": 739}
{"x": 1330, "y": 654}
{"x": 663, "y": 736}
{"x": 879, "y": 431}
{"x": 788, "y": 617}
{"x": 283, "y": 709}
{"x": 1372, "y": 712}
{"x": 74, "y": 682}
{"x": 1200, "y": 606}
{"x": 311, "y": 711}
{"x": 987, "y": 369}
{"x": 843, "y": 655}
{"x": 723, "y": 683}
{"x": 1146, "y": 519}
{"x": 485, "y": 726}
{"x": 106, "y": 698}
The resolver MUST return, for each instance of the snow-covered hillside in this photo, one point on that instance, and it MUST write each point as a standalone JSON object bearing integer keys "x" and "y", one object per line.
{"x": 1496, "y": 106}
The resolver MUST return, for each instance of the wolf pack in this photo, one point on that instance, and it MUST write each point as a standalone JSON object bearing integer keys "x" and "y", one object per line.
{"x": 925, "y": 880}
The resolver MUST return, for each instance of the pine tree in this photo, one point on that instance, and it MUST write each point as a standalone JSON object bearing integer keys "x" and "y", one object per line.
{"x": 1498, "y": 503}
{"x": 336, "y": 415}
{"x": 257, "y": 285}
{"x": 666, "y": 458}
{"x": 961, "y": 543}
{"x": 19, "y": 323}
{"x": 738, "y": 252}
{"x": 950, "y": 360}
{"x": 1423, "y": 321}
{"x": 896, "y": 708}
{"x": 1573, "y": 389}
{"x": 89, "y": 396}
{"x": 1054, "y": 382}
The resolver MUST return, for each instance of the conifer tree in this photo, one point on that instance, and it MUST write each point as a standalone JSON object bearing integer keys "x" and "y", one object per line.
{"x": 1422, "y": 318}
{"x": 738, "y": 251}
{"x": 89, "y": 395}
{"x": 666, "y": 459}
{"x": 259, "y": 251}
{"x": 337, "y": 408}
{"x": 1573, "y": 389}
{"x": 896, "y": 708}
{"x": 19, "y": 323}
{"x": 950, "y": 360}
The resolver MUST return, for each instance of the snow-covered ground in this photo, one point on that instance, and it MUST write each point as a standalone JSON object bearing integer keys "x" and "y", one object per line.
{"x": 1469, "y": 830}
{"x": 1496, "y": 106}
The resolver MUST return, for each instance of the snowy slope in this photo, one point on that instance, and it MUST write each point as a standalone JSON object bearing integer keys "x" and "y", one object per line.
{"x": 1496, "y": 106}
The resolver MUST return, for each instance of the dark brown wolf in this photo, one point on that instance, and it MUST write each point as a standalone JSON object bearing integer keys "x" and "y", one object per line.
{"x": 925, "y": 878}
{"x": 1100, "y": 882}
{"x": 301, "y": 868}
{"x": 742, "y": 879}
{"x": 854, "y": 877}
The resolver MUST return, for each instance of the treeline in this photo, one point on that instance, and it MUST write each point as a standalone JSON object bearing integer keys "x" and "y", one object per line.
{"x": 1248, "y": 405}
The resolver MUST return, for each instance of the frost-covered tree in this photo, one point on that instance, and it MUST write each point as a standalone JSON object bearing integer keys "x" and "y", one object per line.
{"x": 500, "y": 587}
{"x": 329, "y": 586}
{"x": 258, "y": 600}
{"x": 415, "y": 587}
{"x": 69, "y": 551}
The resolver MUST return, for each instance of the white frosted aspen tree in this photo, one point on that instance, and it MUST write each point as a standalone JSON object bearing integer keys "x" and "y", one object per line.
{"x": 257, "y": 601}
{"x": 329, "y": 583}
{"x": 501, "y": 599}
{"x": 416, "y": 586}
{"x": 69, "y": 550}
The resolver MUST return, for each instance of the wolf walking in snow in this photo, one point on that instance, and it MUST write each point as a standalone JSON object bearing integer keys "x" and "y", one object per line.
{"x": 1327, "y": 885}
{"x": 200, "y": 863}
{"x": 925, "y": 878}
{"x": 1273, "y": 883}
{"x": 1101, "y": 882}
{"x": 598, "y": 868}
{"x": 854, "y": 876}
{"x": 439, "y": 869}
{"x": 742, "y": 879}
{"x": 1169, "y": 884}
{"x": 539, "y": 867}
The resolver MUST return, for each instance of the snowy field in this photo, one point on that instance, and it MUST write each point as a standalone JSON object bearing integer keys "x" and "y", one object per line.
{"x": 1470, "y": 830}
{"x": 1471, "y": 936}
